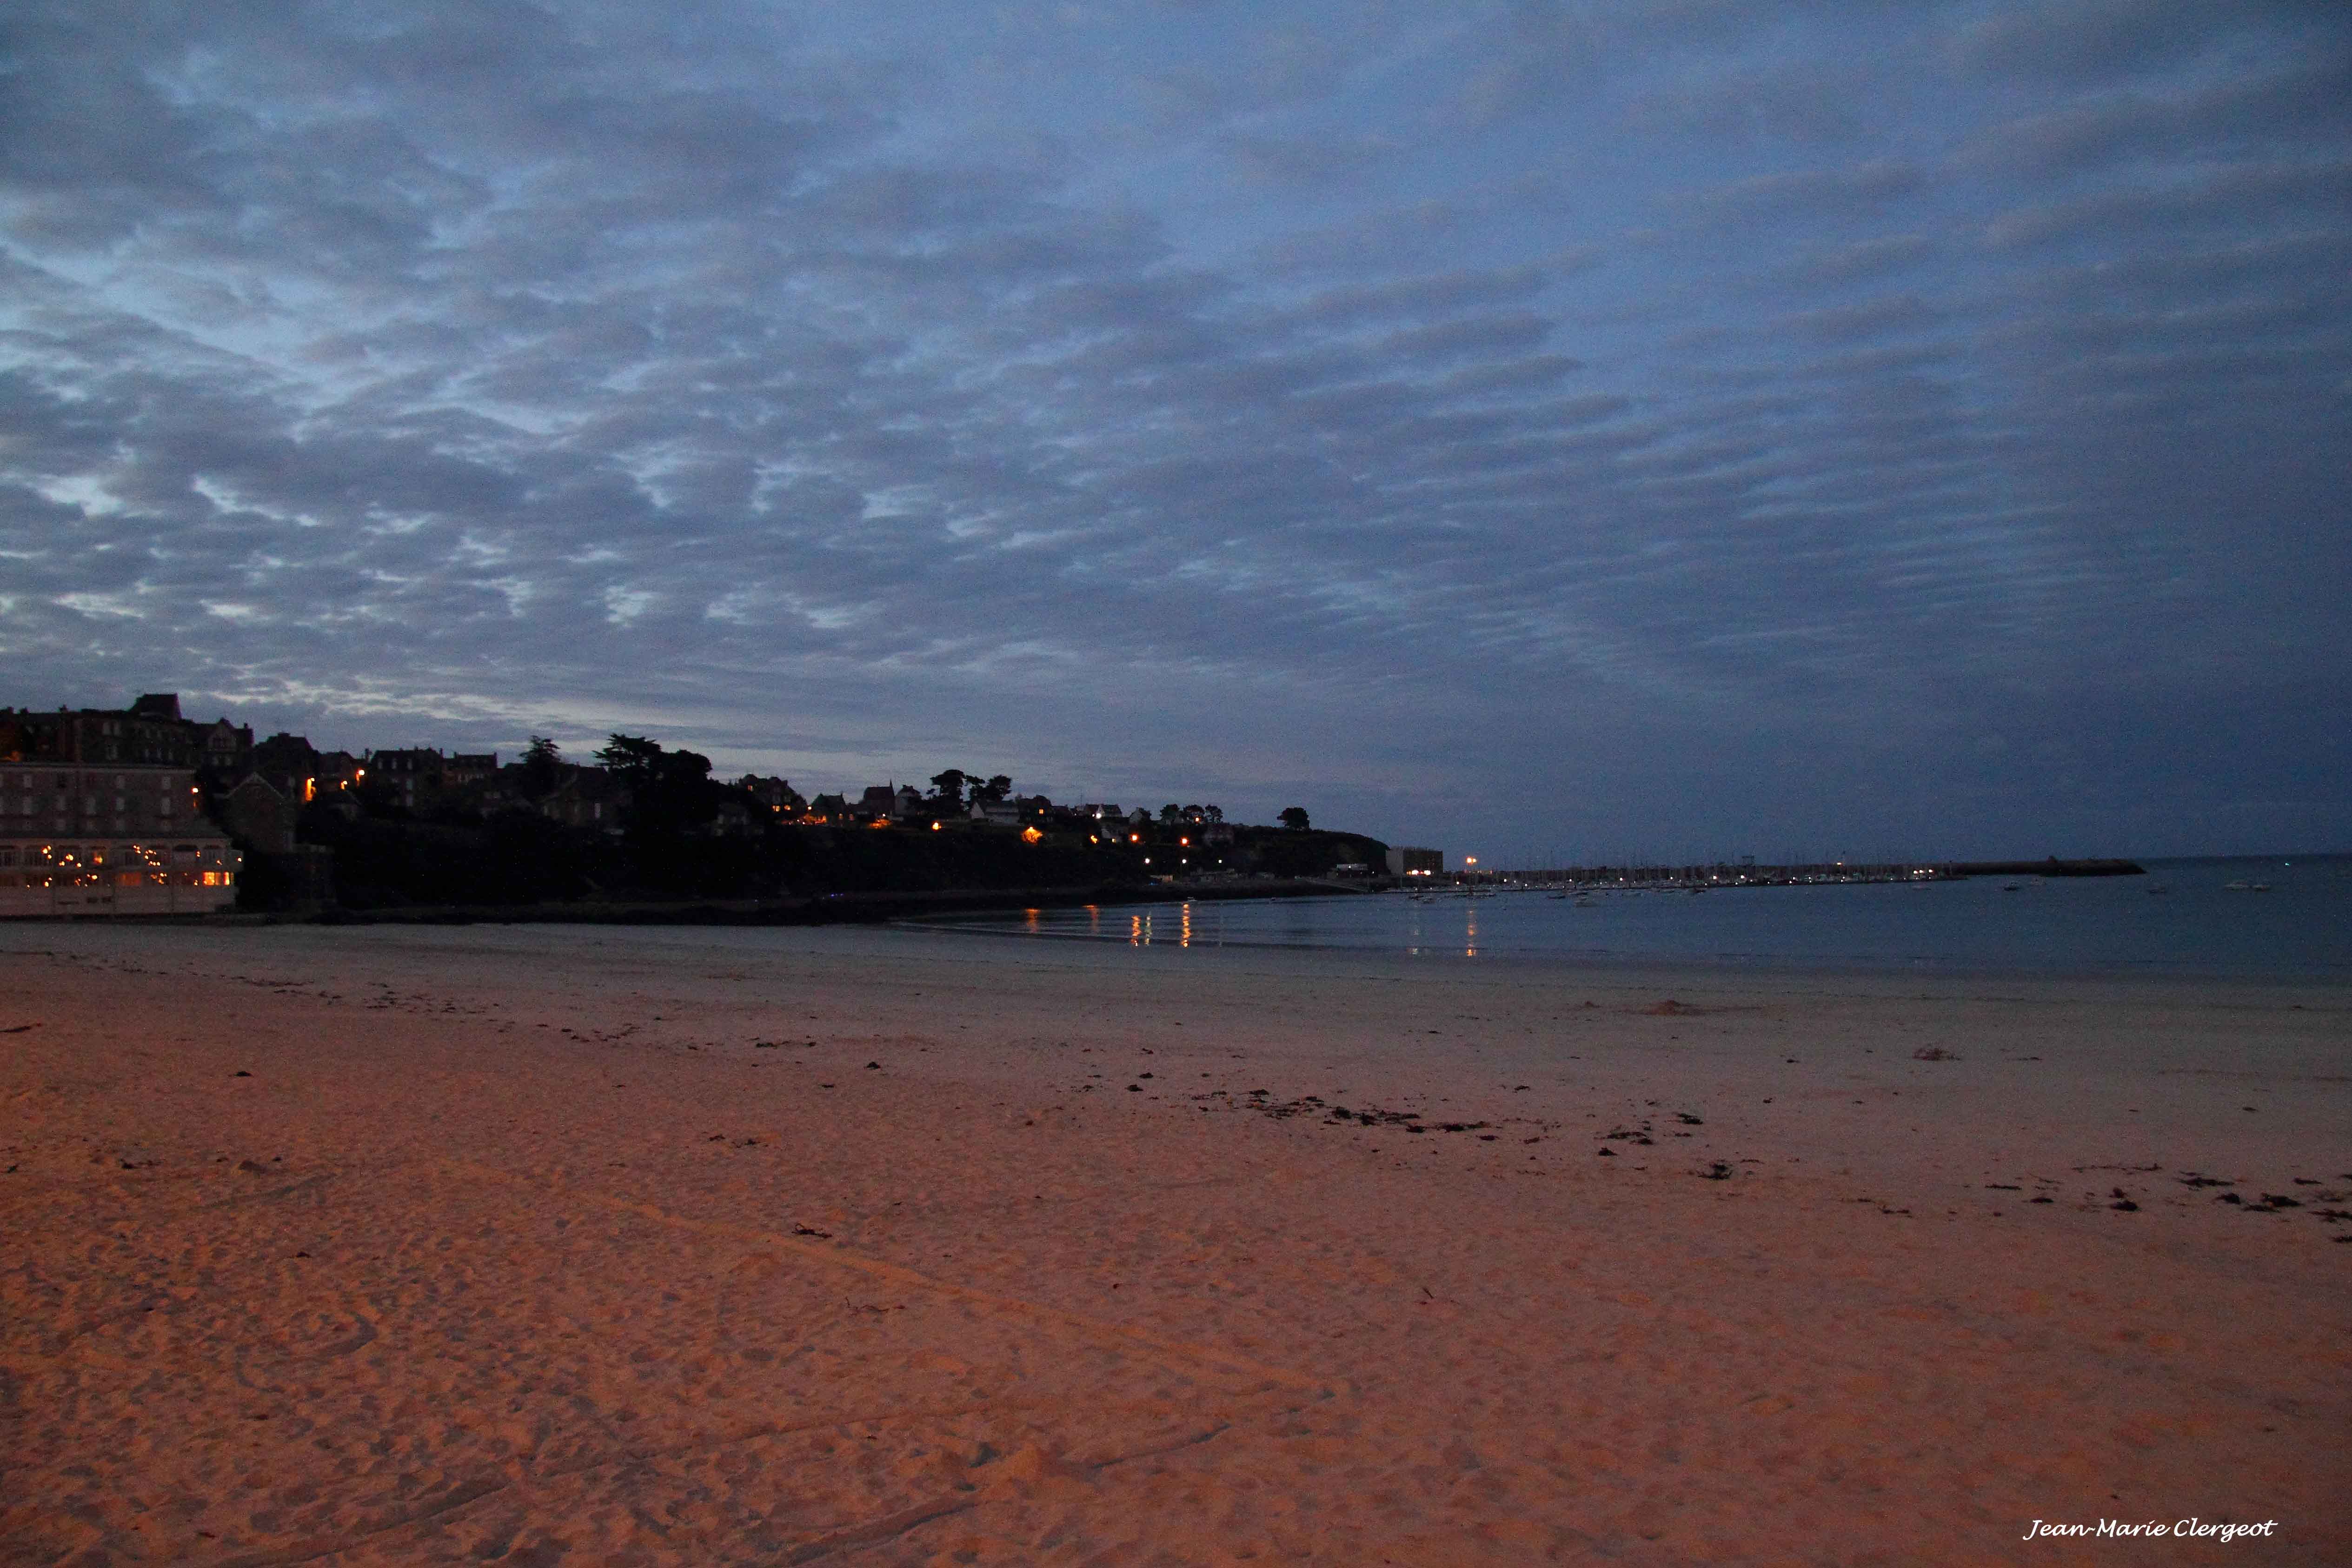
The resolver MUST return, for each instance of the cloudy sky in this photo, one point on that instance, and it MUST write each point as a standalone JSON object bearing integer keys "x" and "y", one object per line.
{"x": 1547, "y": 430}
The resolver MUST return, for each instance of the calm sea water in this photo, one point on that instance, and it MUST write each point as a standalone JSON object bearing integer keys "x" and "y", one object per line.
{"x": 2182, "y": 917}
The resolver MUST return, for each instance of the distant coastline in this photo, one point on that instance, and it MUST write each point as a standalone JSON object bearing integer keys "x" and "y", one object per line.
{"x": 872, "y": 908}
{"x": 2052, "y": 867}
{"x": 1747, "y": 874}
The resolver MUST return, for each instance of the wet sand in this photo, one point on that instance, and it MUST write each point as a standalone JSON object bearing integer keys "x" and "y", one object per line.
{"x": 541, "y": 1245}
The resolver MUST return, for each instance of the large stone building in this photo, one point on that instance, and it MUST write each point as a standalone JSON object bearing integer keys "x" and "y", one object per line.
{"x": 412, "y": 775}
{"x": 420, "y": 777}
{"x": 100, "y": 814}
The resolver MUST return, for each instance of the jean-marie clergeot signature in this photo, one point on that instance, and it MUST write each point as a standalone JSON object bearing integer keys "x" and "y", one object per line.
{"x": 2120, "y": 1527}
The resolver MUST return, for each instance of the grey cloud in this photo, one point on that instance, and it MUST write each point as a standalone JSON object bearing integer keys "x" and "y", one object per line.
{"x": 1191, "y": 98}
{"x": 1808, "y": 103}
{"x": 2290, "y": 271}
{"x": 1513, "y": 334}
{"x": 1305, "y": 161}
{"x": 896, "y": 203}
{"x": 1872, "y": 319}
{"x": 2089, "y": 40}
{"x": 543, "y": 373}
{"x": 1865, "y": 186}
{"x": 2308, "y": 108}
{"x": 1535, "y": 374}
{"x": 1870, "y": 362}
{"x": 1549, "y": 49}
{"x": 1857, "y": 260}
{"x": 2209, "y": 197}
{"x": 1422, "y": 295}
{"x": 1419, "y": 235}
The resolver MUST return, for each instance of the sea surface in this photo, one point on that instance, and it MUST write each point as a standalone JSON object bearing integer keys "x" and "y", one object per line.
{"x": 2181, "y": 918}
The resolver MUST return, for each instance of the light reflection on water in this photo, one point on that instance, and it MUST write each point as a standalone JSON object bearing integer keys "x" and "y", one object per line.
{"x": 2184, "y": 917}
{"x": 1191, "y": 924}
{"x": 1171, "y": 928}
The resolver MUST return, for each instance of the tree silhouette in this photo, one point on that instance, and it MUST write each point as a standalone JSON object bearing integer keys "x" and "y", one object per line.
{"x": 631, "y": 756}
{"x": 670, "y": 792}
{"x": 542, "y": 767}
{"x": 1293, "y": 817}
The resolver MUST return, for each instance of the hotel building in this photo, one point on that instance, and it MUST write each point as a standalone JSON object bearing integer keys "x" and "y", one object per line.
{"x": 87, "y": 830}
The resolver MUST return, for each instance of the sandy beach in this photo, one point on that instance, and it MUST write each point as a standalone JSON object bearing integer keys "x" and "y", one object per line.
{"x": 534, "y": 1245}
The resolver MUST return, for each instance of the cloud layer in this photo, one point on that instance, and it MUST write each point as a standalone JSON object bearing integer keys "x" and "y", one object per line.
{"x": 1553, "y": 431}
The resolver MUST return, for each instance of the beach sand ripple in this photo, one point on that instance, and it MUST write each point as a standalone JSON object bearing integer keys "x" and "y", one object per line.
{"x": 520, "y": 1248}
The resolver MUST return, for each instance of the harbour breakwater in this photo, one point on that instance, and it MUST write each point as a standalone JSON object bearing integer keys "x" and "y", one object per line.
{"x": 2052, "y": 867}
{"x": 1840, "y": 872}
